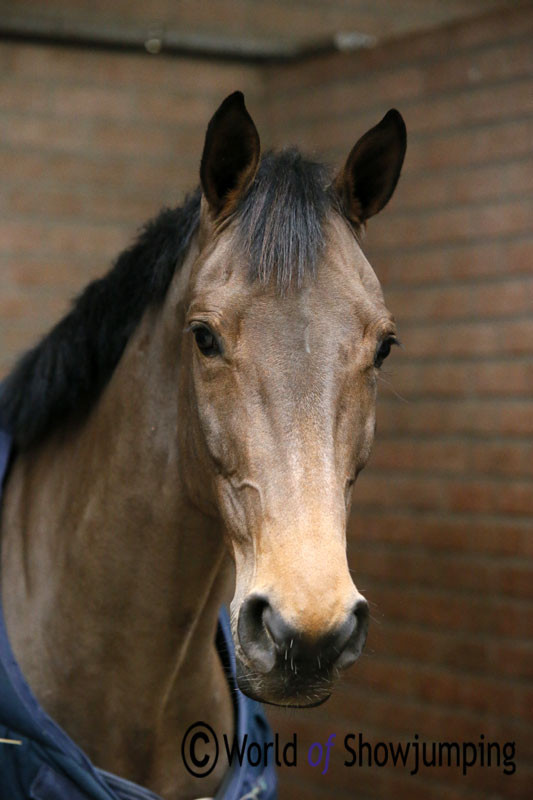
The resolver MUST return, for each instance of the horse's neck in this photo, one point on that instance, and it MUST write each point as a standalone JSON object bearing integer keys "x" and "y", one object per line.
{"x": 112, "y": 581}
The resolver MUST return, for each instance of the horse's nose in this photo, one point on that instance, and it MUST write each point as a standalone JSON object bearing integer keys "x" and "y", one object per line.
{"x": 266, "y": 639}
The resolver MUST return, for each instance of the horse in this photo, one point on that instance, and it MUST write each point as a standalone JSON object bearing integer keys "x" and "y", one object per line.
{"x": 192, "y": 430}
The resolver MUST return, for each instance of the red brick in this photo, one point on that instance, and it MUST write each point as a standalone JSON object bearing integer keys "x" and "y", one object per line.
{"x": 483, "y": 144}
{"x": 503, "y": 378}
{"x": 511, "y": 297}
{"x": 503, "y": 61}
{"x": 463, "y": 261}
{"x": 448, "y": 226}
{"x": 83, "y": 172}
{"x": 502, "y": 458}
{"x": 26, "y": 98}
{"x": 455, "y": 416}
{"x": 451, "y": 611}
{"x": 476, "y": 693}
{"x": 458, "y": 187}
{"x": 458, "y": 652}
{"x": 440, "y": 533}
{"x": 500, "y": 298}
{"x": 83, "y": 205}
{"x": 443, "y": 45}
{"x": 55, "y": 273}
{"x": 434, "y": 720}
{"x": 103, "y": 241}
{"x": 424, "y": 111}
{"x": 422, "y": 380}
{"x": 440, "y": 492}
{"x": 57, "y": 203}
{"x": 465, "y": 339}
{"x": 32, "y": 131}
{"x": 492, "y": 497}
{"x": 421, "y": 303}
{"x": 92, "y": 101}
{"x": 472, "y": 104}
{"x": 405, "y": 567}
{"x": 419, "y": 455}
{"x": 94, "y": 68}
{"x": 366, "y": 708}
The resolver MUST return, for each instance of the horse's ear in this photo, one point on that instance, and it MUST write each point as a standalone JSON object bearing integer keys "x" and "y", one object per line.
{"x": 231, "y": 155}
{"x": 371, "y": 173}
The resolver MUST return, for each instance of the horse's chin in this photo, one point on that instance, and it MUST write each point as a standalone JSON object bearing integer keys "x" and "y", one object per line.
{"x": 273, "y": 690}
{"x": 296, "y": 704}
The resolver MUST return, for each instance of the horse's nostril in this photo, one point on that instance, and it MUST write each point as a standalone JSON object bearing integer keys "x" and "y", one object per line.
{"x": 353, "y": 646}
{"x": 266, "y": 638}
{"x": 280, "y": 633}
{"x": 254, "y": 638}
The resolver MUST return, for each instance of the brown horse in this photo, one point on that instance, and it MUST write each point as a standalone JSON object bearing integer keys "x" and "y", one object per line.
{"x": 208, "y": 403}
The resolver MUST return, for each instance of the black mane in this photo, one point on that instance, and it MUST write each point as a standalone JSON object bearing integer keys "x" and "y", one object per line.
{"x": 280, "y": 221}
{"x": 280, "y": 227}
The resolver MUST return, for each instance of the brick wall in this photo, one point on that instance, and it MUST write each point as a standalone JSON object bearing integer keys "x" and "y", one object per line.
{"x": 440, "y": 542}
{"x": 92, "y": 144}
{"x": 441, "y": 537}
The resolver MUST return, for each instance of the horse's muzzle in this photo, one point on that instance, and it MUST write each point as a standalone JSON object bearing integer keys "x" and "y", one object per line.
{"x": 292, "y": 664}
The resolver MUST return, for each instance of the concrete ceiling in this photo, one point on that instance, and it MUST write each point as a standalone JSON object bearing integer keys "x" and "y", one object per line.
{"x": 246, "y": 27}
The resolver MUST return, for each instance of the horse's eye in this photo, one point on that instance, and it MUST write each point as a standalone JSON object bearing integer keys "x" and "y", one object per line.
{"x": 206, "y": 340}
{"x": 383, "y": 351}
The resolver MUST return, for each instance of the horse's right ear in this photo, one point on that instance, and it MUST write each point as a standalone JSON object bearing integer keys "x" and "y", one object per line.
{"x": 372, "y": 170}
{"x": 231, "y": 155}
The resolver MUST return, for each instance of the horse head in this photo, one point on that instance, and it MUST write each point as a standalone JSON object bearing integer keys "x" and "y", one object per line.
{"x": 285, "y": 331}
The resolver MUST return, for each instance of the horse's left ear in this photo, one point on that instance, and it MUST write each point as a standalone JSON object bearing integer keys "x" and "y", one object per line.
{"x": 371, "y": 173}
{"x": 231, "y": 155}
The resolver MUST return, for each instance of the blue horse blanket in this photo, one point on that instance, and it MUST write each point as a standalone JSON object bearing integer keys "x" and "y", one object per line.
{"x": 48, "y": 765}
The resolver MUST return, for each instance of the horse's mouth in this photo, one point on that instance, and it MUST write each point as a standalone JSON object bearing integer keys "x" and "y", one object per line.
{"x": 282, "y": 665}
{"x": 280, "y": 690}
{"x": 288, "y": 704}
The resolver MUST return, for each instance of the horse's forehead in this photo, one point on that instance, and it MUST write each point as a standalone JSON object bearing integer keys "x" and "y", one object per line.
{"x": 345, "y": 291}
{"x": 333, "y": 308}
{"x": 306, "y": 322}
{"x": 343, "y": 276}
{"x": 343, "y": 253}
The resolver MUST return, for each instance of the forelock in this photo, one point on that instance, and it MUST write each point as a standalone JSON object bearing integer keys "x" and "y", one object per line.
{"x": 281, "y": 221}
